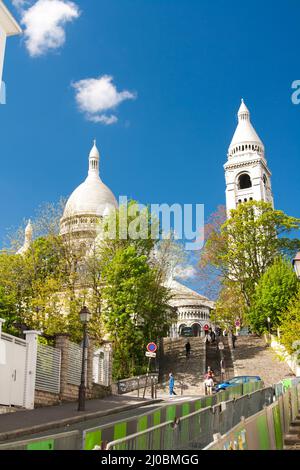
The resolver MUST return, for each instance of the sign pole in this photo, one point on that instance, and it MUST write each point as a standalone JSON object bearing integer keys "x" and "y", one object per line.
{"x": 149, "y": 361}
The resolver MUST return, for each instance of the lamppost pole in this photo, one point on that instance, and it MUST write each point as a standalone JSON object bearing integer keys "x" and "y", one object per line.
{"x": 84, "y": 317}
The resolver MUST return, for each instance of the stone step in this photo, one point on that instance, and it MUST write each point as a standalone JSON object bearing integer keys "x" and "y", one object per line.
{"x": 292, "y": 439}
{"x": 294, "y": 430}
{"x": 295, "y": 423}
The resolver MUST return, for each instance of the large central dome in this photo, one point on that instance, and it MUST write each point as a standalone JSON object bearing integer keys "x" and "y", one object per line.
{"x": 88, "y": 203}
{"x": 91, "y": 197}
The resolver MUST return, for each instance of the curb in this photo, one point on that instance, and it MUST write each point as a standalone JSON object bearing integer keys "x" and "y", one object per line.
{"x": 5, "y": 436}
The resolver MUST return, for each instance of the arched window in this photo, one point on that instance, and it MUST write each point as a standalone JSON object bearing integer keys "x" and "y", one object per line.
{"x": 244, "y": 181}
{"x": 265, "y": 180}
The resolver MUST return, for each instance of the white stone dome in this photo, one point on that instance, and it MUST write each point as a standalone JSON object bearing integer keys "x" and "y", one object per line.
{"x": 245, "y": 138}
{"x": 91, "y": 197}
{"x": 90, "y": 201}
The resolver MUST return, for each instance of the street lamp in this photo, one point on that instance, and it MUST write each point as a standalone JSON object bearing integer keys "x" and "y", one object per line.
{"x": 296, "y": 264}
{"x": 84, "y": 318}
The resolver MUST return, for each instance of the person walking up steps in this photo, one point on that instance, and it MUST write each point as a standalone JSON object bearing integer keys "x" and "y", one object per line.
{"x": 188, "y": 349}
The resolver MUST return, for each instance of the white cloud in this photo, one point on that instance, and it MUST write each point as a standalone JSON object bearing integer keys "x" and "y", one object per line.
{"x": 185, "y": 272}
{"x": 19, "y": 4}
{"x": 96, "y": 96}
{"x": 44, "y": 23}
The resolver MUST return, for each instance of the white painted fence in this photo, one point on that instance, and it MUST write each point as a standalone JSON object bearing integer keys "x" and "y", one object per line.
{"x": 48, "y": 369}
{"x": 74, "y": 364}
{"x": 17, "y": 369}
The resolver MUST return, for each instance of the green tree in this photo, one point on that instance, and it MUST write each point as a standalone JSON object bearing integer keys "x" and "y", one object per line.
{"x": 272, "y": 295}
{"x": 248, "y": 243}
{"x": 290, "y": 325}
{"x": 130, "y": 273}
{"x": 230, "y": 306}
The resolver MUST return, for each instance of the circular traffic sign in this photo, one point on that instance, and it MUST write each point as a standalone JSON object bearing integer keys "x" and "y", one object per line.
{"x": 206, "y": 327}
{"x": 151, "y": 347}
{"x": 237, "y": 323}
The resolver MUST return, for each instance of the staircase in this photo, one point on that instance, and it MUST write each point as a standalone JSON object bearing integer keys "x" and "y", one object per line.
{"x": 188, "y": 372}
{"x": 292, "y": 439}
{"x": 253, "y": 357}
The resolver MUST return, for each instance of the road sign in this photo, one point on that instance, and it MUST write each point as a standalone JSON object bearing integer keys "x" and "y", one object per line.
{"x": 238, "y": 323}
{"x": 206, "y": 327}
{"x": 151, "y": 347}
{"x": 150, "y": 354}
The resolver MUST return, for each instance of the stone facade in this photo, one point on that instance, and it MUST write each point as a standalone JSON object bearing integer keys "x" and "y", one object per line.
{"x": 192, "y": 310}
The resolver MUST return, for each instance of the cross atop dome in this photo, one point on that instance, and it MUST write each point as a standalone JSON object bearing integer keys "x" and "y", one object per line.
{"x": 244, "y": 113}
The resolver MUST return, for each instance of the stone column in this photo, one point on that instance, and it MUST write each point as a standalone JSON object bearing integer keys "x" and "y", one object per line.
{"x": 32, "y": 346}
{"x": 62, "y": 343}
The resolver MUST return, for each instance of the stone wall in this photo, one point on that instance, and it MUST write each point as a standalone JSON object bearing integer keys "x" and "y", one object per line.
{"x": 45, "y": 399}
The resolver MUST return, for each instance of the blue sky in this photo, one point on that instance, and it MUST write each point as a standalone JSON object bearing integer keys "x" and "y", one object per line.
{"x": 187, "y": 63}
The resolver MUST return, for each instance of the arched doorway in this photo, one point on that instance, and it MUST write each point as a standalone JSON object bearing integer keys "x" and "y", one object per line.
{"x": 196, "y": 329}
{"x": 180, "y": 329}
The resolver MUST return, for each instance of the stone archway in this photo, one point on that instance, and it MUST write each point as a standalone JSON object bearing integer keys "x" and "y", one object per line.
{"x": 183, "y": 325}
{"x": 196, "y": 329}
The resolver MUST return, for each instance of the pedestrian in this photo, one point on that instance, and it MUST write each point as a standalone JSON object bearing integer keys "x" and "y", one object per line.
{"x": 234, "y": 338}
{"x": 188, "y": 349}
{"x": 213, "y": 336}
{"x": 209, "y": 385}
{"x": 209, "y": 373}
{"x": 209, "y": 381}
{"x": 171, "y": 384}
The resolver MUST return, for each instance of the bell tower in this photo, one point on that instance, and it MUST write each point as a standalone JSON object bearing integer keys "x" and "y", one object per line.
{"x": 246, "y": 170}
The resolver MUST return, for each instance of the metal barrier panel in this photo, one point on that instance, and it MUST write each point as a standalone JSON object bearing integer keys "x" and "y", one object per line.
{"x": 118, "y": 429}
{"x": 195, "y": 427}
{"x": 294, "y": 403}
{"x": 277, "y": 423}
{"x": 240, "y": 409}
{"x": 286, "y": 411}
{"x": 64, "y": 441}
{"x": 264, "y": 430}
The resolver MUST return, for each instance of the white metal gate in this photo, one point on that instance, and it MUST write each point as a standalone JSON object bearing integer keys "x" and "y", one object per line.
{"x": 13, "y": 370}
{"x": 48, "y": 369}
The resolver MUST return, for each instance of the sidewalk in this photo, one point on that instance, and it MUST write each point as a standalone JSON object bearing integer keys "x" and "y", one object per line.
{"x": 25, "y": 422}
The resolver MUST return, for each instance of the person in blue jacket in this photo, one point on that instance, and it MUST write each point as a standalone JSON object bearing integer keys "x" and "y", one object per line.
{"x": 171, "y": 384}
